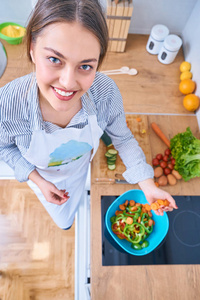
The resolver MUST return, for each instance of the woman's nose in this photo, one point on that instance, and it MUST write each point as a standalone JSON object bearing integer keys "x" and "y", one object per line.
{"x": 68, "y": 78}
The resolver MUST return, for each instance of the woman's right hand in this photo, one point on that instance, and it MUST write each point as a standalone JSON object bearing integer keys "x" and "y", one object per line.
{"x": 51, "y": 193}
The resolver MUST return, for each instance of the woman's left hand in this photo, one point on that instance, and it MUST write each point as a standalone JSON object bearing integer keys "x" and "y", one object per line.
{"x": 153, "y": 193}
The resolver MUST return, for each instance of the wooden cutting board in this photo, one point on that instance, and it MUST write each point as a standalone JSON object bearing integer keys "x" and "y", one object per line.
{"x": 151, "y": 145}
{"x": 140, "y": 131}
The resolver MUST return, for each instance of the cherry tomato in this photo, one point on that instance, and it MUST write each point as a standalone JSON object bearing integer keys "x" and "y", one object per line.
{"x": 163, "y": 164}
{"x": 155, "y": 162}
{"x": 167, "y": 152}
{"x": 165, "y": 157}
{"x": 170, "y": 166}
{"x": 159, "y": 156}
{"x": 167, "y": 171}
{"x": 173, "y": 161}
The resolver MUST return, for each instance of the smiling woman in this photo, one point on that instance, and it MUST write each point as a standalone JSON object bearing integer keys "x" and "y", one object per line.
{"x": 64, "y": 73}
{"x": 52, "y": 118}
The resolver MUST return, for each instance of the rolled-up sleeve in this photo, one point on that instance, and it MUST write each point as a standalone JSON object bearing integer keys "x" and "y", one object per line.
{"x": 123, "y": 140}
{"x": 10, "y": 154}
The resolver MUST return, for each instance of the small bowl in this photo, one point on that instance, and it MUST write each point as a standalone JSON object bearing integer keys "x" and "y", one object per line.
{"x": 11, "y": 40}
{"x": 155, "y": 238}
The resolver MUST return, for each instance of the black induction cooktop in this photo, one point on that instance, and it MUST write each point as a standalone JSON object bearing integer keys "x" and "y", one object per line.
{"x": 180, "y": 246}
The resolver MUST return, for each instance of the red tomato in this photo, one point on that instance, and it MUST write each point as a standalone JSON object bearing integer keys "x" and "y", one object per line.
{"x": 173, "y": 161}
{"x": 163, "y": 164}
{"x": 115, "y": 227}
{"x": 155, "y": 162}
{"x": 121, "y": 235}
{"x": 159, "y": 156}
{"x": 122, "y": 224}
{"x": 170, "y": 166}
{"x": 165, "y": 157}
{"x": 167, "y": 171}
{"x": 167, "y": 152}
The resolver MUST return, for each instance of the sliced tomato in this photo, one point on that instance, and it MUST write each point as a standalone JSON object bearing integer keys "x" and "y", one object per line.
{"x": 121, "y": 235}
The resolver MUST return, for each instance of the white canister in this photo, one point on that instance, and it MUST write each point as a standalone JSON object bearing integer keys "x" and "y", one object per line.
{"x": 156, "y": 38}
{"x": 170, "y": 48}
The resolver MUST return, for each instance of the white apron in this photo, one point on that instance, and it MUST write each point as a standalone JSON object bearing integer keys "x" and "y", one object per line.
{"x": 62, "y": 158}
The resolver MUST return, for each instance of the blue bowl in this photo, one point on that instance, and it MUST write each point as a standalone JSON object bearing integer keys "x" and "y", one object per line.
{"x": 155, "y": 238}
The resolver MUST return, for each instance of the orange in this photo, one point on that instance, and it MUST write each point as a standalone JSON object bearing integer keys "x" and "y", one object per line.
{"x": 186, "y": 75}
{"x": 187, "y": 86}
{"x": 185, "y": 66}
{"x": 191, "y": 102}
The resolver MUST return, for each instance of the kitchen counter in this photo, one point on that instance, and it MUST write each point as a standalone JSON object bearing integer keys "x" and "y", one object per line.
{"x": 17, "y": 64}
{"x": 153, "y": 95}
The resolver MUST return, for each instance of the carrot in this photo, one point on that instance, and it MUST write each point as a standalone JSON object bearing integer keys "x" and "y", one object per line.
{"x": 147, "y": 207}
{"x": 132, "y": 202}
{"x": 133, "y": 208}
{"x": 155, "y": 206}
{"x": 126, "y": 203}
{"x": 161, "y": 135}
{"x": 138, "y": 119}
{"x": 166, "y": 202}
{"x": 144, "y": 209}
{"x": 118, "y": 212}
{"x": 122, "y": 207}
{"x": 129, "y": 221}
{"x": 161, "y": 202}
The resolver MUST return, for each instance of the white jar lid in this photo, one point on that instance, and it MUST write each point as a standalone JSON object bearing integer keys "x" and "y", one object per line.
{"x": 159, "y": 32}
{"x": 172, "y": 42}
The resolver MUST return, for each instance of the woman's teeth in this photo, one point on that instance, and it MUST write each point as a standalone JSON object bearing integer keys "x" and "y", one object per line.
{"x": 62, "y": 93}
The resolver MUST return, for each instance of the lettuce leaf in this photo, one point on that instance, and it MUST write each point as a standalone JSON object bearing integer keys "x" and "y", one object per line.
{"x": 185, "y": 148}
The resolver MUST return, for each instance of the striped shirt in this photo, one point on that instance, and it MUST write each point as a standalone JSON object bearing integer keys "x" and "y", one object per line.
{"x": 20, "y": 115}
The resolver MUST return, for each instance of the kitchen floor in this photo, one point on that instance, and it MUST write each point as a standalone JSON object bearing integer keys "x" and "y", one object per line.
{"x": 36, "y": 257}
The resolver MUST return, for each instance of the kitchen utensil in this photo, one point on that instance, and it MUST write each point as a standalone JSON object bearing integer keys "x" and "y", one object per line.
{"x": 129, "y": 72}
{"x": 11, "y": 40}
{"x": 119, "y": 176}
{"x": 155, "y": 238}
{"x": 122, "y": 69}
{"x": 3, "y": 59}
{"x": 110, "y": 180}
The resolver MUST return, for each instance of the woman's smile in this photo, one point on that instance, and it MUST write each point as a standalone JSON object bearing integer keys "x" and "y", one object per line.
{"x": 62, "y": 94}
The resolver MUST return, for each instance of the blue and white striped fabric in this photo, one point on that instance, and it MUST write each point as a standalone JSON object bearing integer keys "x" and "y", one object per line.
{"x": 20, "y": 115}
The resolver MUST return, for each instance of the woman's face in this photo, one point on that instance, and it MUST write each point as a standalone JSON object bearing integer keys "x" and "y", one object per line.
{"x": 66, "y": 58}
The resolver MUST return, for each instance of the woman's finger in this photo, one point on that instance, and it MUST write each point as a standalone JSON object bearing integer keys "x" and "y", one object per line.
{"x": 172, "y": 202}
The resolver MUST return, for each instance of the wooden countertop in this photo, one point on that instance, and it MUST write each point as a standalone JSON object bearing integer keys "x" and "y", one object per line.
{"x": 155, "y": 88}
{"x": 17, "y": 63}
{"x": 154, "y": 96}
